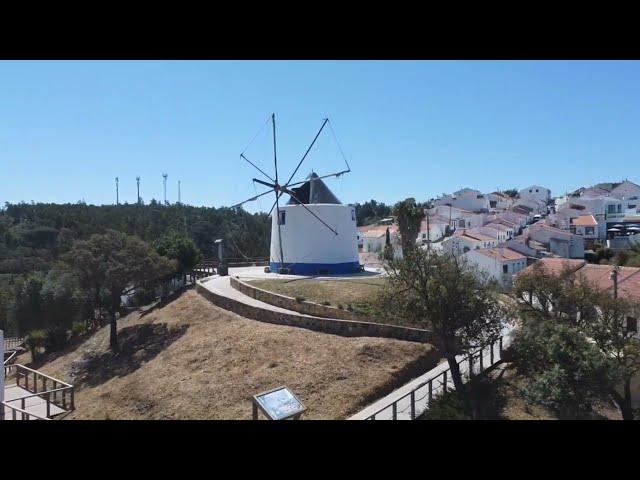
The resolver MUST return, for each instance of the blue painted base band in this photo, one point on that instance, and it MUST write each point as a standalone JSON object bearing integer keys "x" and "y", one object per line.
{"x": 316, "y": 268}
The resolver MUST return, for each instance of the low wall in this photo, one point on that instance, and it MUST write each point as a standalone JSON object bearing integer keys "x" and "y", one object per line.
{"x": 345, "y": 328}
{"x": 282, "y": 301}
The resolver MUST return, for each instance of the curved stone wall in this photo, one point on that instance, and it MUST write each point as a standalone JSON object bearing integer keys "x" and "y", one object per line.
{"x": 346, "y": 328}
{"x": 306, "y": 307}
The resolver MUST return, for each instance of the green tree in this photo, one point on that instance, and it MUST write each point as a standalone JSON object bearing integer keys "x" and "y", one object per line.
{"x": 180, "y": 248}
{"x": 121, "y": 262}
{"x": 566, "y": 372}
{"x": 388, "y": 248}
{"x": 512, "y": 192}
{"x": 28, "y": 308}
{"x": 447, "y": 296}
{"x": 409, "y": 215}
{"x": 567, "y": 299}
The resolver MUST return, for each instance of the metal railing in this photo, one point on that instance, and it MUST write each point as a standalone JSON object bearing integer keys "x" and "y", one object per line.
{"x": 51, "y": 390}
{"x": 13, "y": 342}
{"x": 413, "y": 404}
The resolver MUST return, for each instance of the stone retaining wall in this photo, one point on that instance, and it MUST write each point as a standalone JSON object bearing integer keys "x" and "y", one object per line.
{"x": 346, "y": 328}
{"x": 282, "y": 301}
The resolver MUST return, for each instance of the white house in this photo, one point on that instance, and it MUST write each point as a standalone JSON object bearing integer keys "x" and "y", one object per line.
{"x": 374, "y": 238}
{"x": 508, "y": 231}
{"x": 536, "y": 192}
{"x": 462, "y": 242}
{"x": 626, "y": 189}
{"x": 499, "y": 201}
{"x": 466, "y": 198}
{"x": 514, "y": 217}
{"x": 586, "y": 226}
{"x": 537, "y": 206}
{"x": 499, "y": 263}
{"x": 432, "y": 230}
{"x": 560, "y": 242}
{"x": 459, "y": 218}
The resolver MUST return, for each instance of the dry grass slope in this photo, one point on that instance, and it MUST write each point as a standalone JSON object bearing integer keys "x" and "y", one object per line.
{"x": 192, "y": 360}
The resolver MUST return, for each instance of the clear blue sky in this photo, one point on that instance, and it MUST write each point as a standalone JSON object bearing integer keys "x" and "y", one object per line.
{"x": 67, "y": 129}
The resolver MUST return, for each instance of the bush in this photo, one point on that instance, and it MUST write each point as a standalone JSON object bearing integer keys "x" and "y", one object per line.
{"x": 326, "y": 303}
{"x": 78, "y": 329}
{"x": 340, "y": 306}
{"x": 143, "y": 296}
{"x": 55, "y": 339}
{"x": 35, "y": 341}
{"x": 299, "y": 299}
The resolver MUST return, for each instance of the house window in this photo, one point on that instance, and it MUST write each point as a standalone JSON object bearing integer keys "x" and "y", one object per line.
{"x": 281, "y": 218}
{"x": 353, "y": 215}
{"x": 588, "y": 230}
{"x": 530, "y": 191}
{"x": 632, "y": 324}
{"x": 536, "y": 190}
{"x": 611, "y": 209}
{"x": 424, "y": 235}
{"x": 631, "y": 206}
{"x": 619, "y": 208}
{"x": 505, "y": 268}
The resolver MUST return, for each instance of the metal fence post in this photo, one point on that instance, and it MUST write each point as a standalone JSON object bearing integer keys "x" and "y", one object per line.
{"x": 430, "y": 391}
{"x": 444, "y": 388}
{"x": 500, "y": 347}
{"x": 491, "y": 355}
{"x": 470, "y": 366}
{"x": 394, "y": 410}
{"x": 481, "y": 361}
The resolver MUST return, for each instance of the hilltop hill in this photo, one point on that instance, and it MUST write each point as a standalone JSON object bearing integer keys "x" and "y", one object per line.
{"x": 192, "y": 360}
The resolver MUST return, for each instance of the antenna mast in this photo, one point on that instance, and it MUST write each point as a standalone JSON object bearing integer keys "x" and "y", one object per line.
{"x": 179, "y": 202}
{"x": 117, "y": 193}
{"x": 164, "y": 183}
{"x": 138, "y": 182}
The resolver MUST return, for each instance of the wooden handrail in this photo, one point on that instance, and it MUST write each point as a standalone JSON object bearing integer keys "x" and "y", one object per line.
{"x": 64, "y": 400}
{"x": 40, "y": 374}
{"x": 22, "y": 412}
{"x": 429, "y": 383}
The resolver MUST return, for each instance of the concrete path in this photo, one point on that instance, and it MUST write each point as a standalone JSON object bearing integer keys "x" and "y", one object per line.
{"x": 222, "y": 285}
{"x": 384, "y": 405}
{"x": 36, "y": 405}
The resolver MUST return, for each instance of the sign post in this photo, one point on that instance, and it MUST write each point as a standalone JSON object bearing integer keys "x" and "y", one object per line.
{"x": 278, "y": 404}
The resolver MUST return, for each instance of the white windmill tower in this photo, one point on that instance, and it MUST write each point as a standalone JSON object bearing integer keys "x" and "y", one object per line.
{"x": 313, "y": 233}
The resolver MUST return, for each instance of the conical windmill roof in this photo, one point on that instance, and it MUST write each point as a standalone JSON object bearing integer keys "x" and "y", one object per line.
{"x": 313, "y": 190}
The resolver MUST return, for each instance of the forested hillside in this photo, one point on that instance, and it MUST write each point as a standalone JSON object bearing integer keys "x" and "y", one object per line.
{"x": 34, "y": 236}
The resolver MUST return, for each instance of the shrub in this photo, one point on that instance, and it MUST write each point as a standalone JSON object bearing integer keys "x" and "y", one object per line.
{"x": 300, "y": 299}
{"x": 340, "y": 306}
{"x": 326, "y": 303}
{"x": 78, "y": 329}
{"x": 35, "y": 341}
{"x": 55, "y": 339}
{"x": 143, "y": 296}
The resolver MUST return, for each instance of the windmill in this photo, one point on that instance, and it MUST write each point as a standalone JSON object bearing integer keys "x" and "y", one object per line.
{"x": 313, "y": 196}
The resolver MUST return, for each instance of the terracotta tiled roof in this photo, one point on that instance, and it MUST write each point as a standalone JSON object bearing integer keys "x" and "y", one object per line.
{"x": 597, "y": 275}
{"x": 501, "y": 254}
{"x": 585, "y": 221}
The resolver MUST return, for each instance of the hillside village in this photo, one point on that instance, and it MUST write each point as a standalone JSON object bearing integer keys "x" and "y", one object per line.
{"x": 503, "y": 234}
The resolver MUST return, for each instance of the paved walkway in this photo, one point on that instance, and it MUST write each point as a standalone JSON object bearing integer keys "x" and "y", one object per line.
{"x": 36, "y": 405}
{"x": 222, "y": 285}
{"x": 384, "y": 405}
